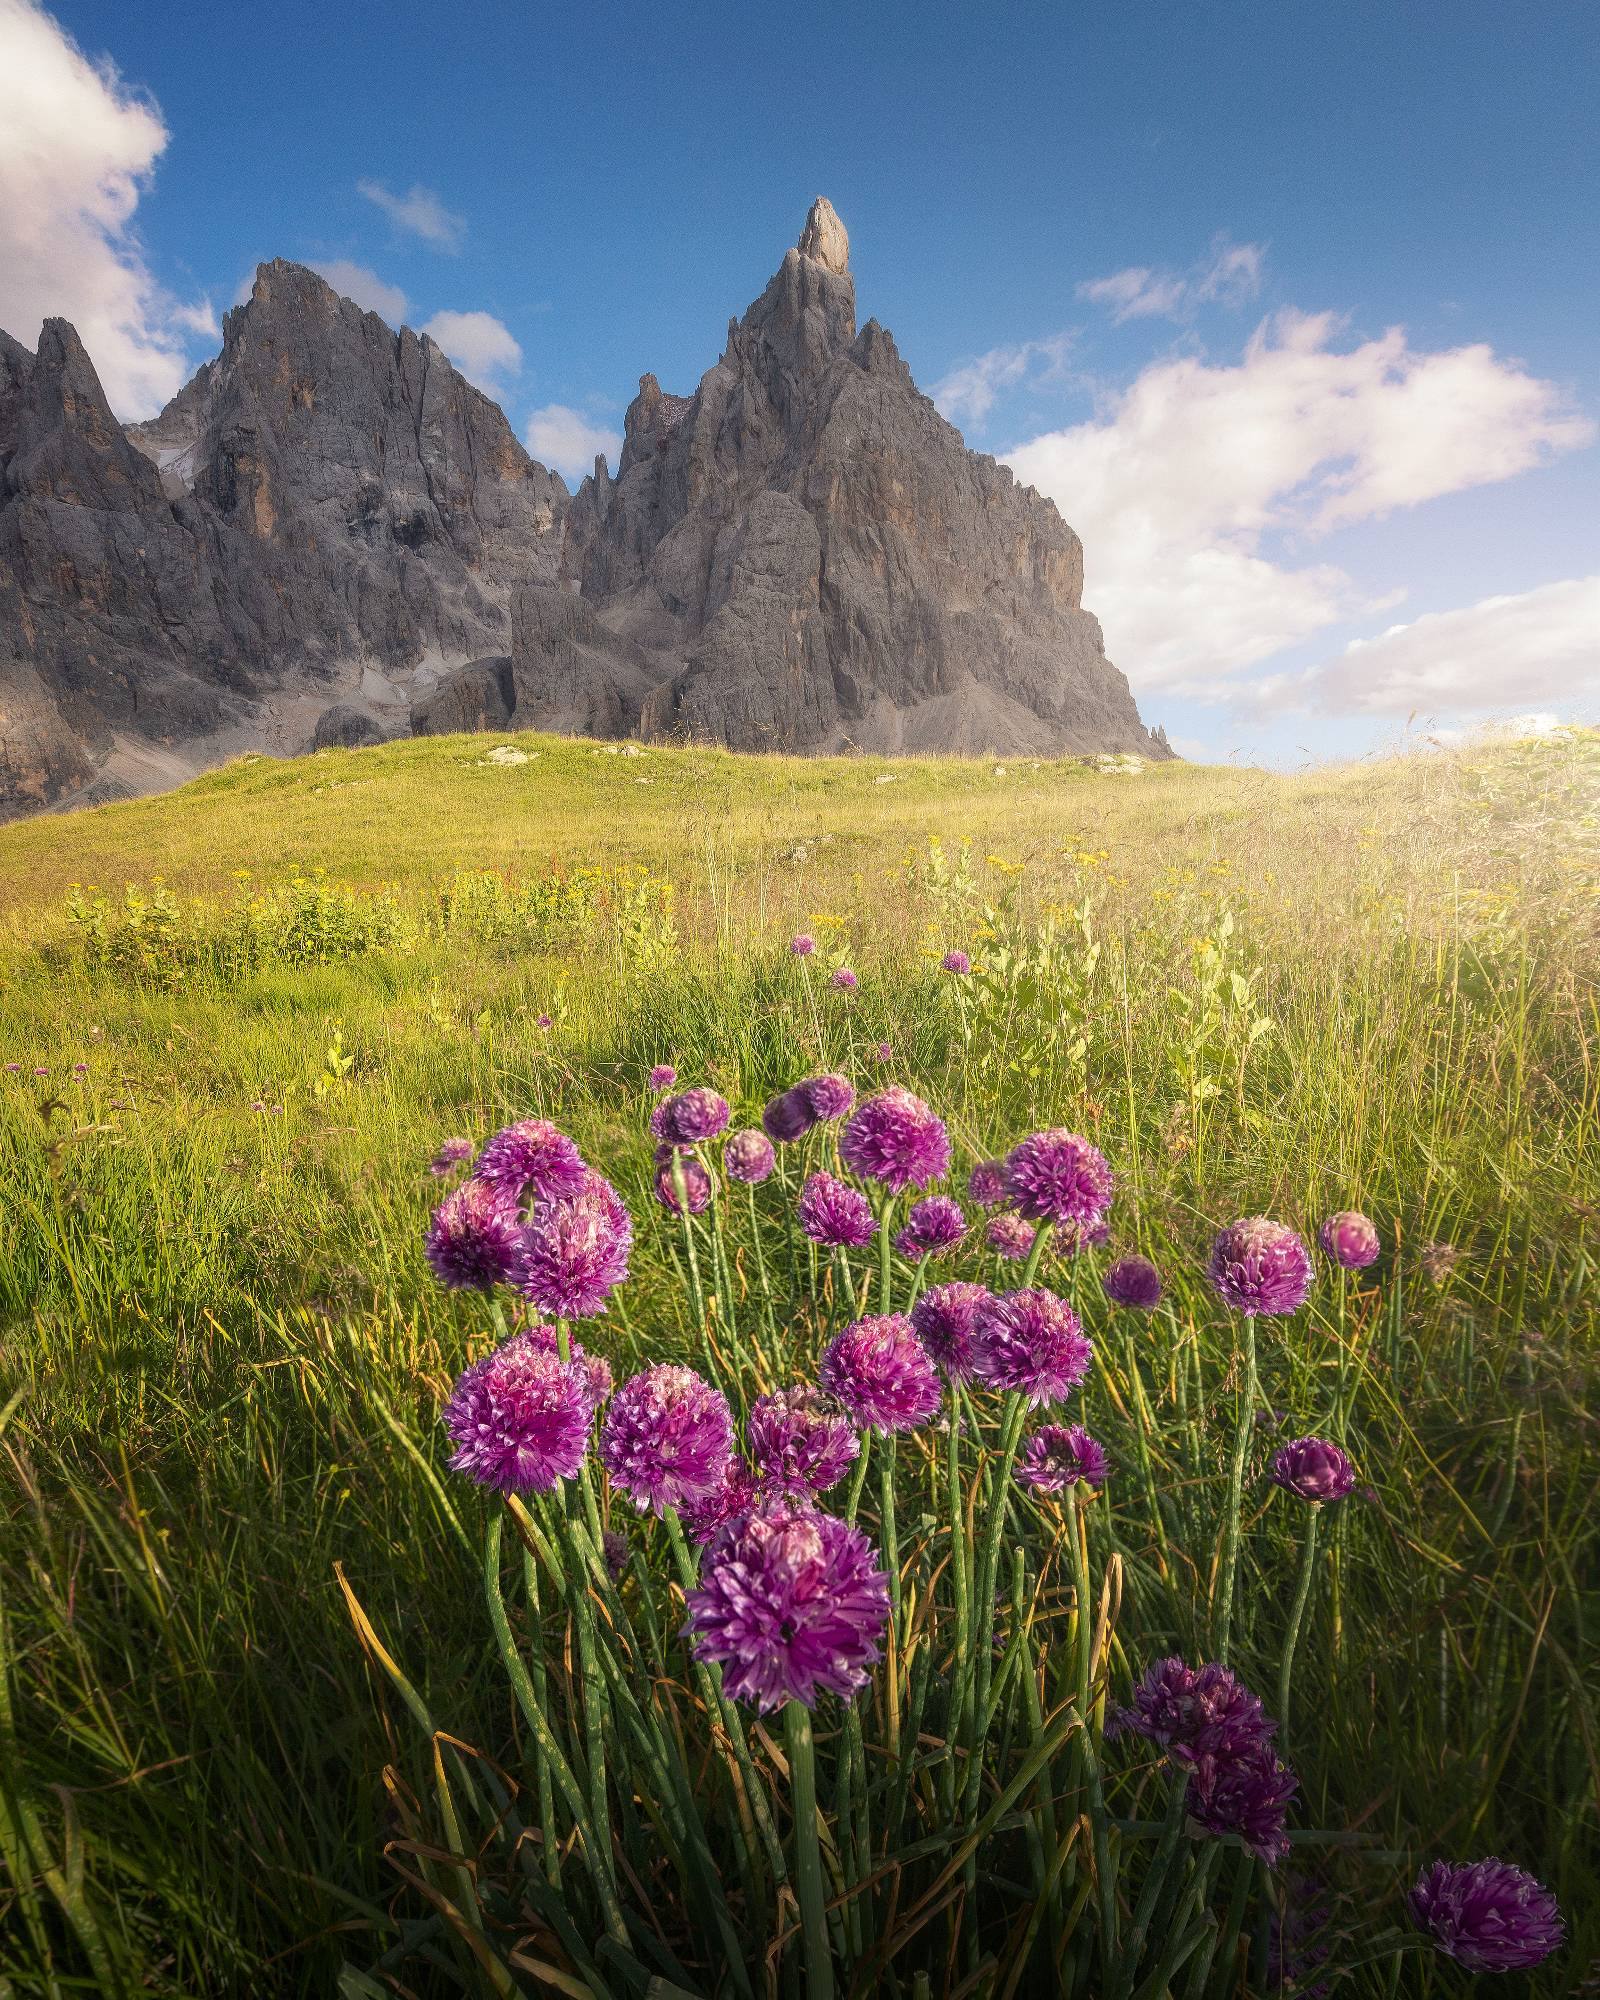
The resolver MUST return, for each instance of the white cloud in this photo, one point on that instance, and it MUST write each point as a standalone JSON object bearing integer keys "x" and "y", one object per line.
{"x": 1540, "y": 646}
{"x": 1185, "y": 486}
{"x": 569, "y": 441}
{"x": 1229, "y": 274}
{"x": 78, "y": 146}
{"x": 370, "y": 292}
{"x": 970, "y": 390}
{"x": 420, "y": 212}
{"x": 480, "y": 345}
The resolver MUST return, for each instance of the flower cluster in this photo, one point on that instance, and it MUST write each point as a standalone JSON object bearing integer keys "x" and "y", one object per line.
{"x": 1350, "y": 1239}
{"x": 1260, "y": 1266}
{"x": 519, "y": 1418}
{"x": 1133, "y": 1282}
{"x": 1030, "y": 1342}
{"x": 747, "y": 1156}
{"x": 837, "y": 1216}
{"x": 1313, "y": 1469}
{"x": 1055, "y": 1176}
{"x": 1487, "y": 1915}
{"x": 895, "y": 1139}
{"x": 801, "y": 1440}
{"x": 667, "y": 1438}
{"x": 882, "y": 1374}
{"x": 946, "y": 1320}
{"x": 1060, "y": 1455}
{"x": 934, "y": 1224}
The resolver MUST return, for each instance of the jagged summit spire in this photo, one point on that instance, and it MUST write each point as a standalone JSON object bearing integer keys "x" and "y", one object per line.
{"x": 825, "y": 238}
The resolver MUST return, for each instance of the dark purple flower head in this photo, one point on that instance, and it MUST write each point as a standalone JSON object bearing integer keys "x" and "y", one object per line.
{"x": 1133, "y": 1282}
{"x": 663, "y": 1076}
{"x": 1350, "y": 1239}
{"x": 1056, "y": 1176}
{"x": 1246, "y": 1795}
{"x": 1260, "y": 1266}
{"x": 955, "y": 961}
{"x": 1487, "y": 1915}
{"x": 545, "y": 1021}
{"x": 690, "y": 1117}
{"x": 844, "y": 979}
{"x": 474, "y": 1240}
{"x": 575, "y": 1253}
{"x": 801, "y": 1440}
{"x": 594, "y": 1371}
{"x": 880, "y": 1371}
{"x": 1009, "y": 1236}
{"x": 837, "y": 1216}
{"x": 935, "y": 1224}
{"x": 945, "y": 1318}
{"x": 449, "y": 1156}
{"x": 1073, "y": 1238}
{"x": 884, "y": 1052}
{"x": 697, "y": 1184}
{"x": 788, "y": 1116}
{"x": 791, "y": 1603}
{"x": 986, "y": 1184}
{"x": 667, "y": 1438}
{"x": 531, "y": 1161}
{"x": 614, "y": 1547}
{"x": 829, "y": 1095}
{"x": 1030, "y": 1342}
{"x": 1194, "y": 1712}
{"x": 1058, "y": 1456}
{"x": 1313, "y": 1469}
{"x": 894, "y": 1138}
{"x": 747, "y": 1156}
{"x": 519, "y": 1418}
{"x": 732, "y": 1495}
{"x": 802, "y": 946}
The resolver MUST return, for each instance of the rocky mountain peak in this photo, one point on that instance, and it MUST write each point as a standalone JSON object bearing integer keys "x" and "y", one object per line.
{"x": 825, "y": 239}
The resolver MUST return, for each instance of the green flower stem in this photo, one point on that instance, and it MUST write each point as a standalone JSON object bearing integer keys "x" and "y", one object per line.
{"x": 808, "y": 1852}
{"x": 1030, "y": 1270}
{"x": 1083, "y": 1665}
{"x": 982, "y": 1673}
{"x": 859, "y": 1479}
{"x": 886, "y": 1258}
{"x": 1230, "y": 1527}
{"x": 697, "y": 1297}
{"x": 1161, "y": 1865}
{"x": 1297, "y": 1612}
{"x": 891, "y": 1562}
{"x": 763, "y": 1278}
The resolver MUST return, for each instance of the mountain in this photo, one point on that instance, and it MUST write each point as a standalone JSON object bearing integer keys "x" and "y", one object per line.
{"x": 329, "y": 536}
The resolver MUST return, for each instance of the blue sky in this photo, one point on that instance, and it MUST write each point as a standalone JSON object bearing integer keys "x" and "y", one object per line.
{"x": 1292, "y": 308}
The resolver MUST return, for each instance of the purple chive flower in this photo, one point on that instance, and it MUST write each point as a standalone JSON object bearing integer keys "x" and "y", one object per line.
{"x": 1246, "y": 1795}
{"x": 663, "y": 1076}
{"x": 935, "y": 1224}
{"x": 531, "y": 1161}
{"x": 830, "y": 1096}
{"x": 844, "y": 979}
{"x": 882, "y": 1373}
{"x": 1313, "y": 1469}
{"x": 1030, "y": 1342}
{"x": 697, "y": 1183}
{"x": 837, "y": 1216}
{"x": 946, "y": 1318}
{"x": 544, "y": 1021}
{"x": 747, "y": 1156}
{"x": 689, "y": 1117}
{"x": 594, "y": 1371}
{"x": 1133, "y": 1282}
{"x": 884, "y": 1052}
{"x": 80, "y": 1069}
{"x": 1350, "y": 1239}
{"x": 791, "y": 1603}
{"x": 801, "y": 1440}
{"x": 802, "y": 946}
{"x": 1056, "y": 1176}
{"x": 41, "y": 1069}
{"x": 1487, "y": 1915}
{"x": 1260, "y": 1266}
{"x": 986, "y": 1184}
{"x": 788, "y": 1116}
{"x": 614, "y": 1547}
{"x": 1073, "y": 1238}
{"x": 449, "y": 1156}
{"x": 667, "y": 1438}
{"x": 1060, "y": 1455}
{"x": 894, "y": 1138}
{"x": 1009, "y": 1236}
{"x": 733, "y": 1494}
{"x": 575, "y": 1253}
{"x": 1194, "y": 1712}
{"x": 955, "y": 961}
{"x": 519, "y": 1418}
{"x": 474, "y": 1240}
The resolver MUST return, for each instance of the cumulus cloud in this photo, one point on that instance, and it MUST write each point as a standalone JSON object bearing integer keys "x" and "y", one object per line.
{"x": 1229, "y": 274}
{"x": 968, "y": 392}
{"x": 419, "y": 213}
{"x": 1190, "y": 484}
{"x": 569, "y": 441}
{"x": 480, "y": 345}
{"x": 78, "y": 145}
{"x": 356, "y": 281}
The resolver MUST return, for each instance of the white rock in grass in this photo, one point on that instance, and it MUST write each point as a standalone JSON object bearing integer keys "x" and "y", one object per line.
{"x": 507, "y": 753}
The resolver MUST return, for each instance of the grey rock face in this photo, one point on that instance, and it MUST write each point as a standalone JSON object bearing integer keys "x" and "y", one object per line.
{"x": 344, "y": 728}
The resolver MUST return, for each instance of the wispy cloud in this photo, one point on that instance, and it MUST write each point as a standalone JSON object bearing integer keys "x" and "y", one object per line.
{"x": 480, "y": 345}
{"x": 370, "y": 292}
{"x": 419, "y": 213}
{"x": 1228, "y": 275}
{"x": 969, "y": 391}
{"x": 569, "y": 441}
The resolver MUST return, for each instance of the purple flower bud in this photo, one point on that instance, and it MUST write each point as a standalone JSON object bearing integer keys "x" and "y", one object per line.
{"x": 1350, "y": 1240}
{"x": 881, "y": 1372}
{"x": 663, "y": 1076}
{"x": 802, "y": 946}
{"x": 837, "y": 1216}
{"x": 519, "y": 1419}
{"x": 788, "y": 1116}
{"x": 575, "y": 1252}
{"x": 698, "y": 1187}
{"x": 894, "y": 1138}
{"x": 1056, "y": 1176}
{"x": 986, "y": 1184}
{"x": 955, "y": 961}
{"x": 690, "y": 1117}
{"x": 1058, "y": 1456}
{"x": 451, "y": 1154}
{"x": 801, "y": 1440}
{"x": 934, "y": 1224}
{"x": 844, "y": 979}
{"x": 945, "y": 1318}
{"x": 1009, "y": 1236}
{"x": 829, "y": 1096}
{"x": 531, "y": 1161}
{"x": 474, "y": 1241}
{"x": 667, "y": 1438}
{"x": 1487, "y": 1915}
{"x": 747, "y": 1156}
{"x": 1260, "y": 1266}
{"x": 1030, "y": 1342}
{"x": 1313, "y": 1469}
{"x": 1133, "y": 1282}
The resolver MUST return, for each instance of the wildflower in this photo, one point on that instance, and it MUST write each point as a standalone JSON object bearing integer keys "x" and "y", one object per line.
{"x": 791, "y": 1602}
{"x": 1439, "y": 1261}
{"x": 945, "y": 1318}
{"x": 1009, "y": 1236}
{"x": 531, "y": 1161}
{"x": 14, "y": 1068}
{"x": 1194, "y": 1712}
{"x": 474, "y": 1240}
{"x": 1055, "y": 1176}
{"x": 667, "y": 1438}
{"x": 801, "y": 1440}
{"x": 837, "y": 1216}
{"x": 829, "y": 1096}
{"x": 1313, "y": 1469}
{"x": 1030, "y": 1342}
{"x": 802, "y": 946}
{"x": 1246, "y": 1795}
{"x": 698, "y": 1186}
{"x": 788, "y": 1116}
{"x": 955, "y": 961}
{"x": 614, "y": 1547}
{"x": 575, "y": 1253}
{"x": 934, "y": 1224}
{"x": 690, "y": 1117}
{"x": 895, "y": 1138}
{"x": 986, "y": 1184}
{"x": 1133, "y": 1282}
{"x": 545, "y": 1022}
{"x": 1487, "y": 1915}
{"x": 1260, "y": 1266}
{"x": 1058, "y": 1456}
{"x": 882, "y": 1373}
{"x": 1350, "y": 1240}
{"x": 519, "y": 1418}
{"x": 1072, "y": 1238}
{"x": 844, "y": 979}
{"x": 884, "y": 1052}
{"x": 747, "y": 1156}
{"x": 449, "y": 1156}
{"x": 80, "y": 1069}
{"x": 663, "y": 1076}
{"x": 733, "y": 1495}
{"x": 594, "y": 1371}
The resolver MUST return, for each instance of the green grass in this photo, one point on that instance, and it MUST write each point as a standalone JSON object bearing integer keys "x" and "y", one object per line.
{"x": 221, "y": 1362}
